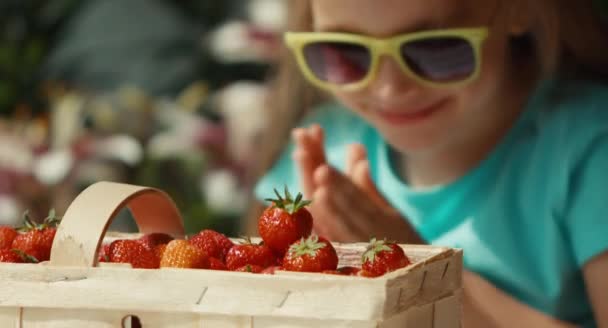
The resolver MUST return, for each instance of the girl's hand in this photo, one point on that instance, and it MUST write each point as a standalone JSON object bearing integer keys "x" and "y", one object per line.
{"x": 346, "y": 207}
{"x": 309, "y": 155}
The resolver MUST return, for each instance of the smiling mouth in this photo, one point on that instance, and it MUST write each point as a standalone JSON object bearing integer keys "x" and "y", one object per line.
{"x": 398, "y": 117}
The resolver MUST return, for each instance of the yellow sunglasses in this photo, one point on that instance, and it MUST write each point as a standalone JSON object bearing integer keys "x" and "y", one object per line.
{"x": 343, "y": 61}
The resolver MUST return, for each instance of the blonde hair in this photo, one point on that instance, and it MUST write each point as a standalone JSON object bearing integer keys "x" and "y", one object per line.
{"x": 570, "y": 38}
{"x": 567, "y": 38}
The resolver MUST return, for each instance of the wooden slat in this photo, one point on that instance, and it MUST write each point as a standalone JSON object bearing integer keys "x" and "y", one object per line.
{"x": 192, "y": 291}
{"x": 448, "y": 312}
{"x": 261, "y": 322}
{"x": 216, "y": 321}
{"x": 415, "y": 317}
{"x": 431, "y": 281}
{"x": 10, "y": 317}
{"x": 51, "y": 318}
{"x": 286, "y": 294}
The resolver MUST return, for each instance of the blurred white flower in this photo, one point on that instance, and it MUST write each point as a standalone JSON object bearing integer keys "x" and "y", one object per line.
{"x": 222, "y": 192}
{"x": 269, "y": 14}
{"x": 9, "y": 211}
{"x": 66, "y": 119}
{"x": 52, "y": 167}
{"x": 231, "y": 43}
{"x": 15, "y": 155}
{"x": 168, "y": 145}
{"x": 242, "y": 105}
{"x": 123, "y": 148}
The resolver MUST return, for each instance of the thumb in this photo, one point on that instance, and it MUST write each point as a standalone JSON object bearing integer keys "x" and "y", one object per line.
{"x": 362, "y": 178}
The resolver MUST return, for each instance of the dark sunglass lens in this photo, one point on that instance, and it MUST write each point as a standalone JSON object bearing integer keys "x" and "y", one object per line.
{"x": 446, "y": 59}
{"x": 336, "y": 62}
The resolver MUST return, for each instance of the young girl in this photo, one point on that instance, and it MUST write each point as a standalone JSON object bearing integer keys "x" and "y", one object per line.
{"x": 477, "y": 124}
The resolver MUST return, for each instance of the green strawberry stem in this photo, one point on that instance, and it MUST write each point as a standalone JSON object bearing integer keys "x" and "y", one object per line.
{"x": 25, "y": 257}
{"x": 308, "y": 246}
{"x": 287, "y": 203}
{"x": 51, "y": 221}
{"x": 374, "y": 247}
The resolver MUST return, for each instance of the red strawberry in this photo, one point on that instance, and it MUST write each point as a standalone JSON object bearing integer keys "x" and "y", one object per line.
{"x": 7, "y": 234}
{"x": 349, "y": 271}
{"x": 271, "y": 269}
{"x": 133, "y": 252}
{"x": 285, "y": 222}
{"x": 216, "y": 264}
{"x": 36, "y": 243}
{"x": 241, "y": 255}
{"x": 104, "y": 253}
{"x": 213, "y": 243}
{"x": 250, "y": 268}
{"x": 314, "y": 254}
{"x": 382, "y": 257}
{"x": 152, "y": 240}
{"x": 159, "y": 250}
{"x": 10, "y": 256}
{"x": 37, "y": 239}
{"x": 182, "y": 254}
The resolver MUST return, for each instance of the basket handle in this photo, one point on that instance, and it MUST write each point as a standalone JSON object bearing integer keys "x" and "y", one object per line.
{"x": 80, "y": 233}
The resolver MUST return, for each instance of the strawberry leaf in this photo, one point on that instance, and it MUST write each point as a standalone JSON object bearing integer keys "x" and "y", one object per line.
{"x": 308, "y": 246}
{"x": 287, "y": 202}
{"x": 374, "y": 247}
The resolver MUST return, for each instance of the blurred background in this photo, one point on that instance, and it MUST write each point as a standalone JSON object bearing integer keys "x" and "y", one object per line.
{"x": 161, "y": 93}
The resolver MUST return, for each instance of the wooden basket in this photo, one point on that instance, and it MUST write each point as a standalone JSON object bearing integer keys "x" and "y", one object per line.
{"x": 71, "y": 290}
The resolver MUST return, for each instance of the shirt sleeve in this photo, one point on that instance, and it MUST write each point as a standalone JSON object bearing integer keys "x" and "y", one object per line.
{"x": 587, "y": 212}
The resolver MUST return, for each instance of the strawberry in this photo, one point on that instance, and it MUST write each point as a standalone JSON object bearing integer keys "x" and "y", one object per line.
{"x": 314, "y": 254}
{"x": 251, "y": 268}
{"x": 7, "y": 234}
{"x": 216, "y": 264}
{"x": 381, "y": 257}
{"x": 247, "y": 253}
{"x": 349, "y": 271}
{"x": 10, "y": 256}
{"x": 344, "y": 271}
{"x": 37, "y": 239}
{"x": 133, "y": 252}
{"x": 159, "y": 250}
{"x": 271, "y": 269}
{"x": 104, "y": 253}
{"x": 215, "y": 244}
{"x": 284, "y": 222}
{"x": 182, "y": 254}
{"x": 151, "y": 240}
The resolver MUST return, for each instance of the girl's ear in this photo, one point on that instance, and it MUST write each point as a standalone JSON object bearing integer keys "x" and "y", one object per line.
{"x": 519, "y": 18}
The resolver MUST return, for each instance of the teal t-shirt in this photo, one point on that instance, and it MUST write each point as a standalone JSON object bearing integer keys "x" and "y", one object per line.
{"x": 528, "y": 217}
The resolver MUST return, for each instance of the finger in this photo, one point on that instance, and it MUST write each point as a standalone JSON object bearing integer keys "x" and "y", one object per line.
{"x": 329, "y": 221}
{"x": 348, "y": 201}
{"x": 304, "y": 139}
{"x": 306, "y": 169}
{"x": 306, "y": 165}
{"x": 317, "y": 134}
{"x": 364, "y": 216}
{"x": 315, "y": 141}
{"x": 362, "y": 178}
{"x": 354, "y": 154}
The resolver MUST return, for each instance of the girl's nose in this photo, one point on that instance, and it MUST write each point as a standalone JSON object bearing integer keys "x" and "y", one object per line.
{"x": 390, "y": 82}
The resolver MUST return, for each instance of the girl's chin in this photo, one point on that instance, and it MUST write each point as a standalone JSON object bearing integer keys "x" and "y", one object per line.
{"x": 411, "y": 146}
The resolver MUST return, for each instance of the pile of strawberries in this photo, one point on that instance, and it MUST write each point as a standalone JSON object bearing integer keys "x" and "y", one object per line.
{"x": 287, "y": 244}
{"x": 29, "y": 244}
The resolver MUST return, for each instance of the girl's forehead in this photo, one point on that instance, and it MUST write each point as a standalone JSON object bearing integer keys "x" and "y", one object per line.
{"x": 383, "y": 18}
